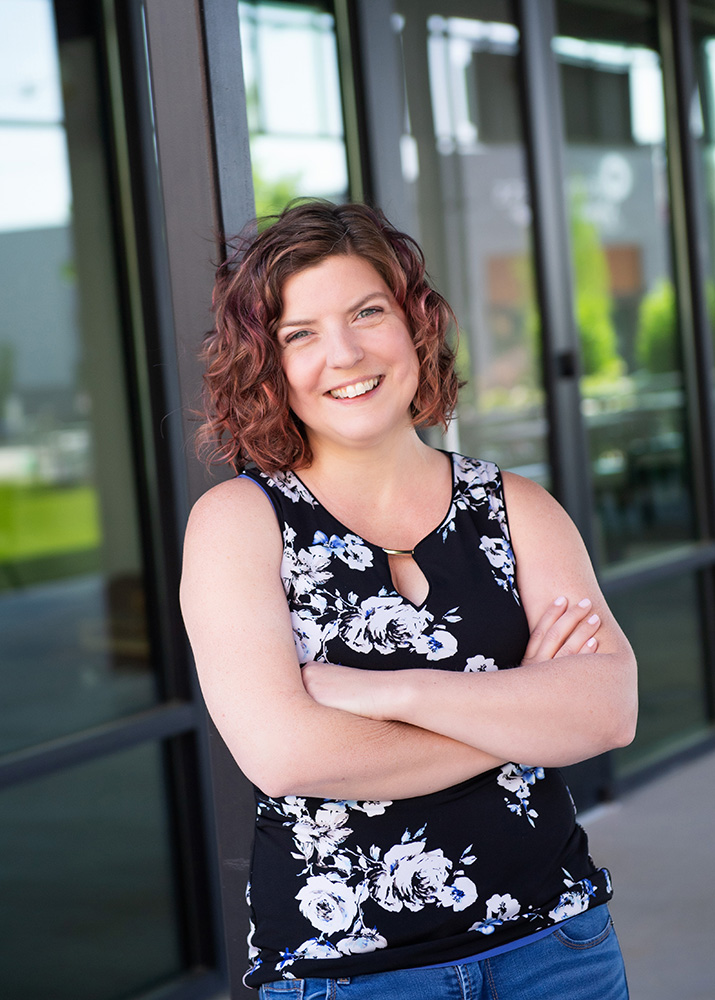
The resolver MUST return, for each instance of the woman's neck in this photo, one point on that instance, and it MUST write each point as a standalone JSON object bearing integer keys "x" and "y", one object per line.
{"x": 391, "y": 492}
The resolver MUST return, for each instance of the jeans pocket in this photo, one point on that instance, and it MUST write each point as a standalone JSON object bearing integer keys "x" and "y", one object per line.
{"x": 282, "y": 989}
{"x": 586, "y": 930}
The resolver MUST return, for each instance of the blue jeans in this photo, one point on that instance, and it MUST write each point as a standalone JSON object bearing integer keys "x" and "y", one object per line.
{"x": 579, "y": 961}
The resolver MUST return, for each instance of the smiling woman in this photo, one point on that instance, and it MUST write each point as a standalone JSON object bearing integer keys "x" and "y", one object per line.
{"x": 354, "y": 599}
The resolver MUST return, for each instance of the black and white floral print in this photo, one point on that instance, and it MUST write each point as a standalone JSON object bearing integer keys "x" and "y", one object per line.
{"x": 500, "y": 910}
{"x": 379, "y": 624}
{"x": 339, "y": 877}
{"x": 386, "y": 621}
{"x": 351, "y": 887}
{"x": 519, "y": 781}
{"x": 576, "y": 898}
{"x": 475, "y": 484}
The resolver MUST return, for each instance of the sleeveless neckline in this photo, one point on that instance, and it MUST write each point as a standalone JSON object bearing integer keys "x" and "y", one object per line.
{"x": 453, "y": 458}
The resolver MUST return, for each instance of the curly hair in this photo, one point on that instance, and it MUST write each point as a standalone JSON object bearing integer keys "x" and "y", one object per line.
{"x": 245, "y": 399}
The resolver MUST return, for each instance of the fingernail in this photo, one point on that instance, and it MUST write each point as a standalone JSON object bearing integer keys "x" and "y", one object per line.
{"x": 591, "y": 643}
{"x": 560, "y": 601}
{"x": 593, "y": 619}
{"x": 585, "y": 603}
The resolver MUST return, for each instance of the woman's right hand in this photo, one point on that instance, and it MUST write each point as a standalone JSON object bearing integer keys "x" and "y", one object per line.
{"x": 563, "y": 630}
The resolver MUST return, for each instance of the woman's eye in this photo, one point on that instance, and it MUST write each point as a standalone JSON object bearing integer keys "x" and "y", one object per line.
{"x": 370, "y": 311}
{"x": 297, "y": 335}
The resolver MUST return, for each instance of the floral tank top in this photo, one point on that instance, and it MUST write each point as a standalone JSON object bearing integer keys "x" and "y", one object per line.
{"x": 344, "y": 888}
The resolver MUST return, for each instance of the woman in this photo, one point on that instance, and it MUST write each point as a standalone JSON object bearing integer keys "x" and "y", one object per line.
{"x": 353, "y": 600}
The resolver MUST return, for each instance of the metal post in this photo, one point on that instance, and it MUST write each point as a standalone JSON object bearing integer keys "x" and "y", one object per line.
{"x": 561, "y": 351}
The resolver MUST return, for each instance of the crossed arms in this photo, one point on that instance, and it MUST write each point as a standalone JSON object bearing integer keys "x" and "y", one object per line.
{"x": 340, "y": 732}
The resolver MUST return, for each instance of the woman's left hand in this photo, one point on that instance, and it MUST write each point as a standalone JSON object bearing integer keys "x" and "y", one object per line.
{"x": 347, "y": 688}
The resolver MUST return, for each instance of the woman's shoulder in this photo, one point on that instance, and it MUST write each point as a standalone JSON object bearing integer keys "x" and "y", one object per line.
{"x": 234, "y": 509}
{"x": 527, "y": 496}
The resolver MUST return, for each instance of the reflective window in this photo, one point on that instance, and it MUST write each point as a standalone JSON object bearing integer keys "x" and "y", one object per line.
{"x": 662, "y": 622}
{"x": 295, "y": 121}
{"x": 88, "y": 909}
{"x": 633, "y": 397}
{"x": 73, "y": 634}
{"x": 464, "y": 170}
{"x": 702, "y": 124}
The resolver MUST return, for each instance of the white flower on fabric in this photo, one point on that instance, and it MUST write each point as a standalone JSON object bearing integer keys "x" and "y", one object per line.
{"x": 470, "y": 478}
{"x": 364, "y": 940}
{"x": 498, "y": 552}
{"x": 436, "y": 646}
{"x": 307, "y": 635}
{"x": 609, "y": 885}
{"x": 459, "y": 895}
{"x": 479, "y": 664}
{"x": 314, "y": 948}
{"x": 409, "y": 876}
{"x": 253, "y": 952}
{"x": 519, "y": 779}
{"x": 291, "y": 487}
{"x": 351, "y": 549}
{"x": 570, "y": 904}
{"x": 303, "y": 572}
{"x": 376, "y": 808}
{"x": 503, "y": 907}
{"x": 328, "y": 904}
{"x": 575, "y": 900}
{"x": 383, "y": 623}
{"x": 323, "y": 835}
{"x": 293, "y": 805}
{"x": 499, "y": 910}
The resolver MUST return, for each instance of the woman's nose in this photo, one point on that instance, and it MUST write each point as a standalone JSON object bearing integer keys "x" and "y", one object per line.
{"x": 344, "y": 349}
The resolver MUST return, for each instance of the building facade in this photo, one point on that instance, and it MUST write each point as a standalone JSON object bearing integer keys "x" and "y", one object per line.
{"x": 556, "y": 161}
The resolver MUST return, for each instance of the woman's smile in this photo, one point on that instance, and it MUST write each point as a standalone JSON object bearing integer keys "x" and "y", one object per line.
{"x": 356, "y": 390}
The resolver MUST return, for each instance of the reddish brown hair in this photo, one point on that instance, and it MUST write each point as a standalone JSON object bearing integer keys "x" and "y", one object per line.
{"x": 247, "y": 416}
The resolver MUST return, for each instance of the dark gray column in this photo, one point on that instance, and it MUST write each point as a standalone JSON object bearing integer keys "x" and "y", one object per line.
{"x": 544, "y": 128}
{"x": 205, "y": 178}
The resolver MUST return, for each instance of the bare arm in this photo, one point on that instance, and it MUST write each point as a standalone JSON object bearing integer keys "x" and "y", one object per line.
{"x": 564, "y": 703}
{"x": 238, "y": 622}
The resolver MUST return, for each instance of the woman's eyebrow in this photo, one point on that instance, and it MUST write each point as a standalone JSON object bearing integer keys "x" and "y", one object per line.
{"x": 357, "y": 305}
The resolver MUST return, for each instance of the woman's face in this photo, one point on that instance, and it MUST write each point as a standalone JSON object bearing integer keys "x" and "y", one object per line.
{"x": 347, "y": 353}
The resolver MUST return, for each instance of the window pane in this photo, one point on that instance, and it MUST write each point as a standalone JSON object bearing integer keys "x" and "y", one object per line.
{"x": 632, "y": 385}
{"x": 464, "y": 172}
{"x": 702, "y": 124}
{"x": 88, "y": 910}
{"x": 662, "y": 621}
{"x": 73, "y": 634}
{"x": 290, "y": 66}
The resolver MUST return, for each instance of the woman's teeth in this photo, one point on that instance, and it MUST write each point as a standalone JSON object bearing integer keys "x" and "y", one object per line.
{"x": 358, "y": 389}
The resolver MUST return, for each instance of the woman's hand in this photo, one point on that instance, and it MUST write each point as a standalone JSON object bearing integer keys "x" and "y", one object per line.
{"x": 563, "y": 630}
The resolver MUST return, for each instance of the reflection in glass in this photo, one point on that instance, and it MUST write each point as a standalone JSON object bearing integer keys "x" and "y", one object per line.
{"x": 464, "y": 169}
{"x": 88, "y": 908}
{"x": 290, "y": 66}
{"x": 73, "y": 639}
{"x": 702, "y": 124}
{"x": 632, "y": 386}
{"x": 662, "y": 622}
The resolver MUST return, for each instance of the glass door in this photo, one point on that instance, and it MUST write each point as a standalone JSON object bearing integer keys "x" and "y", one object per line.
{"x": 464, "y": 171}
{"x": 90, "y": 906}
{"x": 635, "y": 396}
